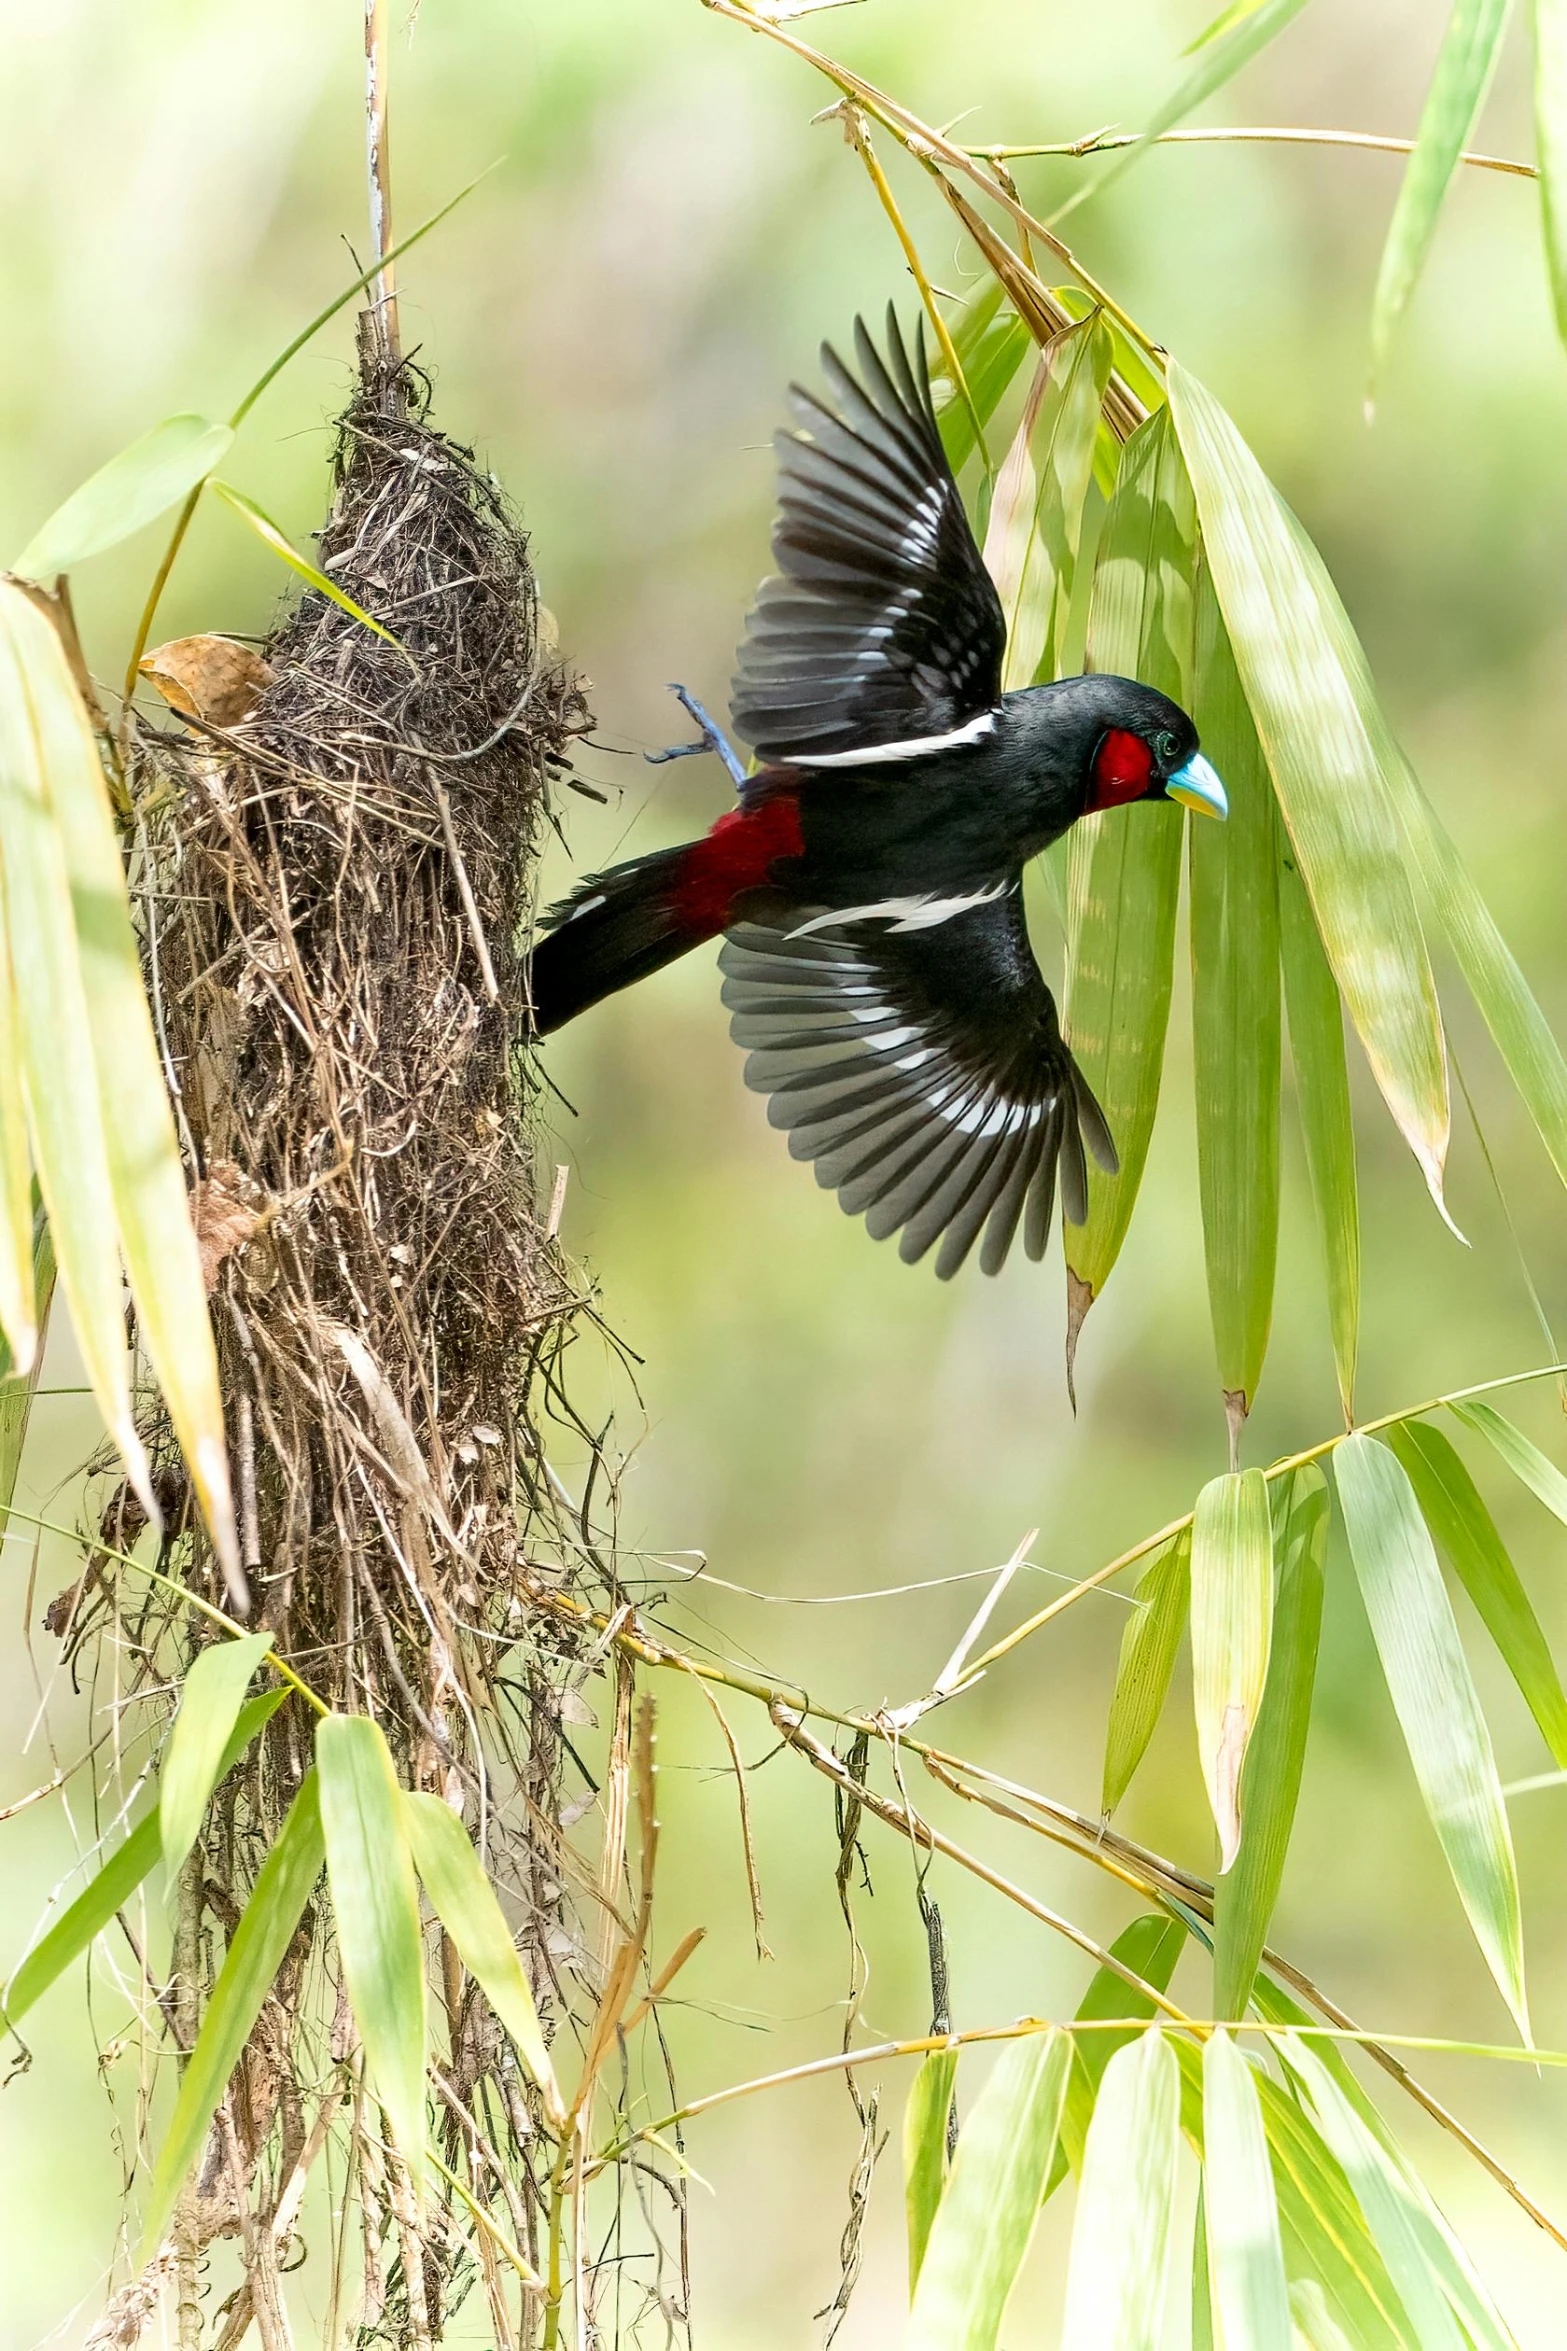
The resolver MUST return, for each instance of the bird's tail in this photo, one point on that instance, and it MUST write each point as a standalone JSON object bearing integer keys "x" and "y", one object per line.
{"x": 615, "y": 928}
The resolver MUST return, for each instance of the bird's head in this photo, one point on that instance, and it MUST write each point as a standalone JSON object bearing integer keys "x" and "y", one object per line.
{"x": 1114, "y": 742}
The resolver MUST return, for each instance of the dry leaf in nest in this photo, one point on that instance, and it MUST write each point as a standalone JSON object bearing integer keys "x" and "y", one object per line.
{"x": 209, "y": 678}
{"x": 221, "y": 1206}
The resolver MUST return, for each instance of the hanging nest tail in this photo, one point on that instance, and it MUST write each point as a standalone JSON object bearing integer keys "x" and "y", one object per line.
{"x": 337, "y": 892}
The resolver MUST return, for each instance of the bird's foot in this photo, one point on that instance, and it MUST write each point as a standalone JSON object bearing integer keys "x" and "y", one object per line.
{"x": 713, "y": 739}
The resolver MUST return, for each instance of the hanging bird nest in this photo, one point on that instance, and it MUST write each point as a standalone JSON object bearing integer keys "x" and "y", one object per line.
{"x": 336, "y": 852}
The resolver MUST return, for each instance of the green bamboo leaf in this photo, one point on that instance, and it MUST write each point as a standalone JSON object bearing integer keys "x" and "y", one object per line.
{"x": 133, "y": 489}
{"x": 85, "y": 1918}
{"x": 1124, "y": 876}
{"x": 1315, "y": 2326}
{"x": 146, "y": 1178}
{"x": 1452, "y": 1508}
{"x": 1151, "y": 1947}
{"x": 1325, "y": 2234}
{"x": 266, "y": 1928}
{"x": 1332, "y": 789}
{"x": 60, "y": 1078}
{"x": 985, "y": 2219}
{"x": 1391, "y": 2214}
{"x": 1243, "y": 1899}
{"x": 925, "y": 2119}
{"x": 19, "y": 1305}
{"x": 992, "y": 344}
{"x": 282, "y": 546}
{"x": 1232, "y": 1614}
{"x": 1550, "y": 125}
{"x": 1235, "y": 1023}
{"x": 193, "y": 1760}
{"x": 1118, "y": 2269}
{"x": 17, "y": 1388}
{"x": 1036, "y": 515}
{"x": 1434, "y": 1698}
{"x": 1225, "y": 22}
{"x": 1316, "y": 1023}
{"x": 1464, "y": 67}
{"x": 1245, "y": 2255}
{"x": 1148, "y": 1646}
{"x": 375, "y": 1901}
{"x": 1202, "y": 2300}
{"x": 1527, "y": 1463}
{"x": 464, "y": 1901}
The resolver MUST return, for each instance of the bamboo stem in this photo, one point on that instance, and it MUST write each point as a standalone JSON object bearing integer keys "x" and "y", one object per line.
{"x": 1241, "y": 134}
{"x": 378, "y": 165}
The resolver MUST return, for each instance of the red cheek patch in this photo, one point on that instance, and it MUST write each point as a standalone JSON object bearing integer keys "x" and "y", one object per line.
{"x": 1123, "y": 770}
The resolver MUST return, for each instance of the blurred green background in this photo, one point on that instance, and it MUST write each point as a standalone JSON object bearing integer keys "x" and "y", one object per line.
{"x": 611, "y": 319}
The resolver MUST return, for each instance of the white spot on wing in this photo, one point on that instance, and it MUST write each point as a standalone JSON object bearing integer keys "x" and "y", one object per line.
{"x": 915, "y": 748}
{"x": 906, "y": 914}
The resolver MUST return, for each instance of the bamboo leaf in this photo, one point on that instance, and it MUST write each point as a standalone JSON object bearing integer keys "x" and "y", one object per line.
{"x": 1235, "y": 1023}
{"x": 1527, "y": 1463}
{"x": 1243, "y": 1899}
{"x": 1245, "y": 2255}
{"x": 1464, "y": 68}
{"x": 209, "y": 1708}
{"x": 146, "y": 1179}
{"x": 376, "y": 1904}
{"x": 1150, "y": 1947}
{"x": 1232, "y": 1612}
{"x": 133, "y": 489}
{"x": 1390, "y": 2211}
{"x": 1434, "y": 1698}
{"x": 985, "y": 2219}
{"x": 1316, "y": 1023}
{"x": 1148, "y": 1646}
{"x": 282, "y": 546}
{"x": 1037, "y": 513}
{"x": 255, "y": 1953}
{"x": 1452, "y": 1508}
{"x": 17, "y": 1388}
{"x": 19, "y": 1303}
{"x": 925, "y": 2120}
{"x": 1325, "y": 2235}
{"x": 1315, "y": 2327}
{"x": 465, "y": 1902}
{"x": 60, "y": 1079}
{"x": 1332, "y": 790}
{"x": 1550, "y": 124}
{"x": 1124, "y": 874}
{"x": 85, "y": 1918}
{"x": 1118, "y": 2269}
{"x": 992, "y": 344}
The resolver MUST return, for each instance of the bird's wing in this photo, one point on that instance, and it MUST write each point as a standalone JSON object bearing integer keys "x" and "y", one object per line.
{"x": 882, "y": 626}
{"x": 923, "y": 1071}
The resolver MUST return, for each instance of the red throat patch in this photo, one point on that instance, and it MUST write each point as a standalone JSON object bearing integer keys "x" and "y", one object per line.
{"x": 1122, "y": 771}
{"x": 737, "y": 855}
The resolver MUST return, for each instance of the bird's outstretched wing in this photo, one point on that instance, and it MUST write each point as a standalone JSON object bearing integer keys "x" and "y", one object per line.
{"x": 924, "y": 1072}
{"x": 882, "y": 627}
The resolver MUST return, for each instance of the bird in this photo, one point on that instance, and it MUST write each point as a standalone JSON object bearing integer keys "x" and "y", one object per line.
{"x": 868, "y": 885}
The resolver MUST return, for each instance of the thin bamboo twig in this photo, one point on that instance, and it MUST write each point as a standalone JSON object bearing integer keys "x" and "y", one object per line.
{"x": 378, "y": 166}
{"x": 1241, "y": 134}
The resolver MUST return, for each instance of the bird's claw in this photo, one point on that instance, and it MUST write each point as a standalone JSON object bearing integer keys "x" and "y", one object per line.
{"x": 713, "y": 738}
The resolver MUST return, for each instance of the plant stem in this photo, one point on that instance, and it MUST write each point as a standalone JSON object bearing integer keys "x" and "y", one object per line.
{"x": 1106, "y": 142}
{"x": 378, "y": 165}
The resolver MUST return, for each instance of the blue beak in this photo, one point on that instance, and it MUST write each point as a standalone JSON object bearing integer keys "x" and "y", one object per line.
{"x": 1197, "y": 787}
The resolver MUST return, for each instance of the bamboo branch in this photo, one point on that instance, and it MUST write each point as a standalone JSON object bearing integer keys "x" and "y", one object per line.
{"x": 1241, "y": 134}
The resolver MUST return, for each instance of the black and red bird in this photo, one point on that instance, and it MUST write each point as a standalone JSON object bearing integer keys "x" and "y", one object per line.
{"x": 870, "y": 882}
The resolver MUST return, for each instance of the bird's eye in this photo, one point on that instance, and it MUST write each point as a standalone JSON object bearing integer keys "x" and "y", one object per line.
{"x": 1165, "y": 747}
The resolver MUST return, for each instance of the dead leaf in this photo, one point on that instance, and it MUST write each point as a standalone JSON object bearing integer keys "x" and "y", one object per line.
{"x": 221, "y": 1206}
{"x": 209, "y": 678}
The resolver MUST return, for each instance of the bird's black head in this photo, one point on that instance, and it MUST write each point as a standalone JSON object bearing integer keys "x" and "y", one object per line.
{"x": 1109, "y": 741}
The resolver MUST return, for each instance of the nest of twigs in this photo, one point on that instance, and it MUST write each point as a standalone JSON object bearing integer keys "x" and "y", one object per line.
{"x": 337, "y": 896}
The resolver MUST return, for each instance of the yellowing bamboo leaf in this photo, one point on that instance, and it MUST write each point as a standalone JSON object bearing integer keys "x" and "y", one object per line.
{"x": 147, "y": 1182}
{"x": 375, "y": 1902}
{"x": 1243, "y": 1898}
{"x": 1434, "y": 1698}
{"x": 465, "y": 1903}
{"x": 1463, "y": 75}
{"x": 17, "y": 1388}
{"x": 1235, "y": 1023}
{"x": 1452, "y": 1508}
{"x": 266, "y": 1928}
{"x": 985, "y": 2219}
{"x": 210, "y": 1703}
{"x": 925, "y": 2120}
{"x": 133, "y": 489}
{"x": 1232, "y": 1615}
{"x": 1118, "y": 2270}
{"x": 60, "y": 1077}
{"x": 210, "y": 678}
{"x": 1148, "y": 1646}
{"x": 1332, "y": 790}
{"x": 1316, "y": 1024}
{"x": 1151, "y": 1947}
{"x": 282, "y": 546}
{"x": 1245, "y": 2255}
{"x": 19, "y": 1308}
{"x": 1124, "y": 871}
